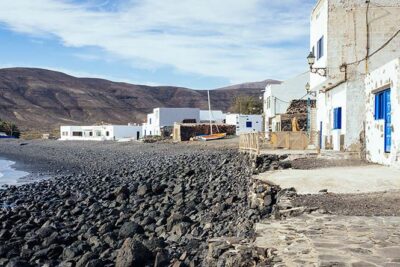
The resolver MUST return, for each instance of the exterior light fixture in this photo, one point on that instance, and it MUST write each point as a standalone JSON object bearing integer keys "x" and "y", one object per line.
{"x": 308, "y": 90}
{"x": 311, "y": 62}
{"x": 311, "y": 59}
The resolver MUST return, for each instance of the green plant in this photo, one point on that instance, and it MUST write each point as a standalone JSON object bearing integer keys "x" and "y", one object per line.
{"x": 9, "y": 128}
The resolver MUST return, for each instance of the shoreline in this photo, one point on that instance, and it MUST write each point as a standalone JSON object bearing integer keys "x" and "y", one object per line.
{"x": 17, "y": 174}
{"x": 11, "y": 175}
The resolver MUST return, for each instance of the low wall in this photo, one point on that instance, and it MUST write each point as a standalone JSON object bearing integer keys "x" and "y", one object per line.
{"x": 183, "y": 132}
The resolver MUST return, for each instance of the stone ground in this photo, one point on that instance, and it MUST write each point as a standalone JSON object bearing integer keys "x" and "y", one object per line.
{"x": 357, "y": 223}
{"x": 369, "y": 204}
{"x": 326, "y": 240}
{"x": 349, "y": 179}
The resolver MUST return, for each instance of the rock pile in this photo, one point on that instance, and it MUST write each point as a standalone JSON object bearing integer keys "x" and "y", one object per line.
{"x": 125, "y": 206}
{"x": 300, "y": 106}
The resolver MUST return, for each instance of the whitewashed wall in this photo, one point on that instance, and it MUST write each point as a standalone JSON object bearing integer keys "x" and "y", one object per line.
{"x": 240, "y": 122}
{"x": 344, "y": 25}
{"x": 99, "y": 132}
{"x": 385, "y": 77}
{"x": 161, "y": 117}
{"x": 216, "y": 116}
{"x": 280, "y": 96}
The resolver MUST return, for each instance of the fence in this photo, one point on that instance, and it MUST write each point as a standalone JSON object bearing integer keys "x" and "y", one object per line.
{"x": 252, "y": 143}
{"x": 289, "y": 140}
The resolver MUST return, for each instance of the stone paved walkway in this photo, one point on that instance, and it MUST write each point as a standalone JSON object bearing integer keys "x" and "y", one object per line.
{"x": 326, "y": 240}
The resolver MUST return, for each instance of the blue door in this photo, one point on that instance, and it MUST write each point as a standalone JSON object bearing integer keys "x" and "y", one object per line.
{"x": 388, "y": 121}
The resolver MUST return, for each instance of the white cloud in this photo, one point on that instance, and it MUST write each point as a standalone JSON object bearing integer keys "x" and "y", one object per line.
{"x": 240, "y": 40}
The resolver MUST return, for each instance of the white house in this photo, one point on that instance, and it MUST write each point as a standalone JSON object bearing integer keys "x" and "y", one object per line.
{"x": 245, "y": 123}
{"x": 100, "y": 132}
{"x": 217, "y": 116}
{"x": 166, "y": 117}
{"x": 382, "y": 126}
{"x": 277, "y": 97}
{"x": 348, "y": 40}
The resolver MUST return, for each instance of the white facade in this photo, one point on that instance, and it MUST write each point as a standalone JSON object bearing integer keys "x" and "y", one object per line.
{"x": 166, "y": 117}
{"x": 377, "y": 129}
{"x": 217, "y": 116}
{"x": 100, "y": 132}
{"x": 277, "y": 97}
{"x": 341, "y": 39}
{"x": 245, "y": 123}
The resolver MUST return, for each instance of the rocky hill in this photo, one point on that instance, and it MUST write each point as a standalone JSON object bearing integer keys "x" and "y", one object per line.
{"x": 42, "y": 100}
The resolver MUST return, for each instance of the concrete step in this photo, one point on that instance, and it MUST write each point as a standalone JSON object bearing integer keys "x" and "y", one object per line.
{"x": 338, "y": 155}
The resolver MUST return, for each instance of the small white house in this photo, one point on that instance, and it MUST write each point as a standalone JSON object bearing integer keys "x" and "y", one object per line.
{"x": 217, "y": 116}
{"x": 382, "y": 128}
{"x": 100, "y": 132}
{"x": 277, "y": 97}
{"x": 166, "y": 117}
{"x": 245, "y": 123}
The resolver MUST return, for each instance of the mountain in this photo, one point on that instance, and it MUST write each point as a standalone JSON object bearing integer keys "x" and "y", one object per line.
{"x": 39, "y": 99}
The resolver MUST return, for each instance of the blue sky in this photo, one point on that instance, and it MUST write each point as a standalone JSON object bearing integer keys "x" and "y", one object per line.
{"x": 192, "y": 43}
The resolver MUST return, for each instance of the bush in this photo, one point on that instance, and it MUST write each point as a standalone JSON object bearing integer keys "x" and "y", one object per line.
{"x": 9, "y": 128}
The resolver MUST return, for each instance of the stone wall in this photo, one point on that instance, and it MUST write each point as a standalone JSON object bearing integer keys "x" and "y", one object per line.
{"x": 232, "y": 251}
{"x": 184, "y": 132}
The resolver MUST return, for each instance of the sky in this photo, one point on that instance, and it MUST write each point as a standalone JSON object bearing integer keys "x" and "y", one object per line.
{"x": 200, "y": 44}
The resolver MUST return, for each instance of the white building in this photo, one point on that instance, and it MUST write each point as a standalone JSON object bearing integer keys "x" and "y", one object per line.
{"x": 217, "y": 116}
{"x": 277, "y": 97}
{"x": 166, "y": 117}
{"x": 100, "y": 132}
{"x": 382, "y": 128}
{"x": 349, "y": 39}
{"x": 245, "y": 123}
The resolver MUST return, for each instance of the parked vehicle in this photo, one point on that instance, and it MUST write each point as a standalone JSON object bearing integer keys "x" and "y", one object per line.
{"x": 5, "y": 136}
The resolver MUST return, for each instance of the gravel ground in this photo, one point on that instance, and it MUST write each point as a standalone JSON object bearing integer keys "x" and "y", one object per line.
{"x": 122, "y": 204}
{"x": 371, "y": 204}
{"x": 316, "y": 163}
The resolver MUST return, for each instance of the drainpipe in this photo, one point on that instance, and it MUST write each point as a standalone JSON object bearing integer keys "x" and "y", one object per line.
{"x": 368, "y": 37}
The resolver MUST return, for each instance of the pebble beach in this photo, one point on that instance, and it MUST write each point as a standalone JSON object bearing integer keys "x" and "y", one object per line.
{"x": 123, "y": 204}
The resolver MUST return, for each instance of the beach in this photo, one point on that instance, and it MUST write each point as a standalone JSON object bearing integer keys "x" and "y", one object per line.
{"x": 161, "y": 202}
{"x": 9, "y": 175}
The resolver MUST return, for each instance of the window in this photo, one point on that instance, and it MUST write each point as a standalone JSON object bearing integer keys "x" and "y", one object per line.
{"x": 337, "y": 118}
{"x": 98, "y": 133}
{"x": 249, "y": 124}
{"x": 107, "y": 133}
{"x": 380, "y": 105}
{"x": 320, "y": 48}
{"x": 77, "y": 134}
{"x": 90, "y": 133}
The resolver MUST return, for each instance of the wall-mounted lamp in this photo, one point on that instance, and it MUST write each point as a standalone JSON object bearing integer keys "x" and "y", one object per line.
{"x": 308, "y": 90}
{"x": 311, "y": 62}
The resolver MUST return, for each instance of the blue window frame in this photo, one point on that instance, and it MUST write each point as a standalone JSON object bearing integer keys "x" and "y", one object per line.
{"x": 249, "y": 124}
{"x": 320, "y": 48}
{"x": 380, "y": 105}
{"x": 337, "y": 118}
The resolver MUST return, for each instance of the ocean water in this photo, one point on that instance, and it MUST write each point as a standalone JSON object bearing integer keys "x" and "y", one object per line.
{"x": 8, "y": 175}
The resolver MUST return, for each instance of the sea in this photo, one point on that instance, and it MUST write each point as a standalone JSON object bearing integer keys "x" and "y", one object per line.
{"x": 9, "y": 175}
